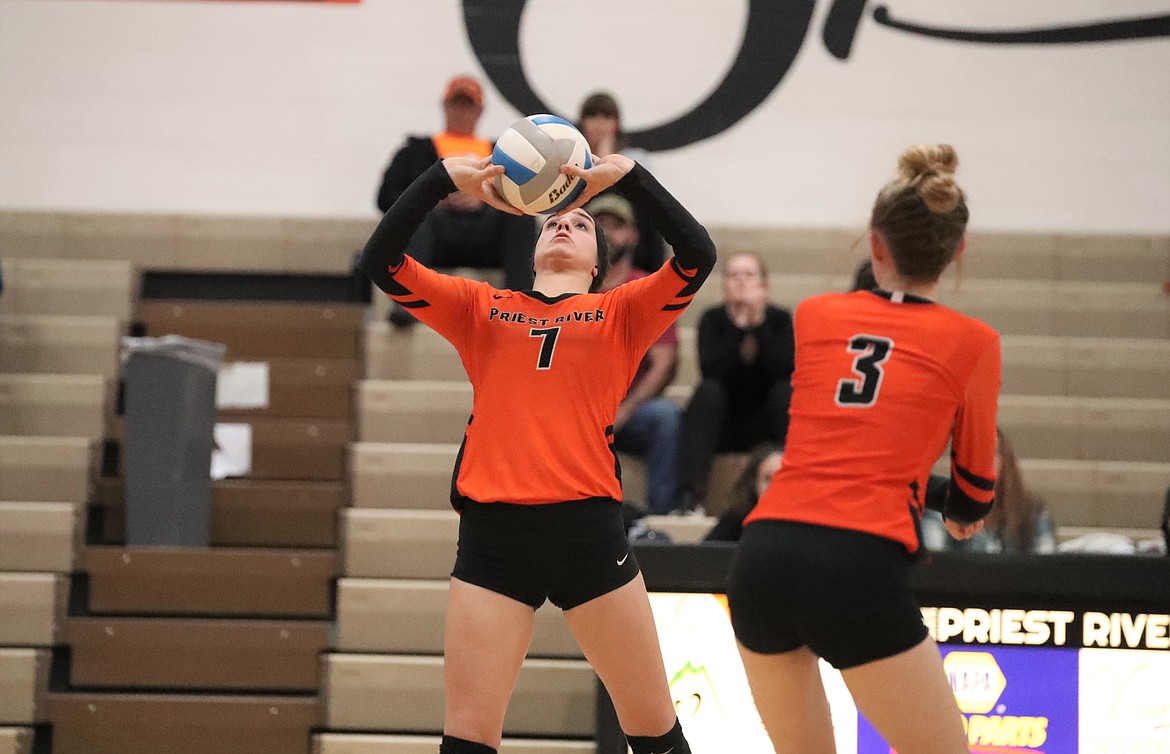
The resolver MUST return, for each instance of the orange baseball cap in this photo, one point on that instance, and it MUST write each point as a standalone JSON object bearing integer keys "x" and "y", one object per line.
{"x": 464, "y": 86}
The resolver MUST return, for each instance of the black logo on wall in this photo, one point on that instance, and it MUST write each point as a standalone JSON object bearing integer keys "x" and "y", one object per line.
{"x": 774, "y": 33}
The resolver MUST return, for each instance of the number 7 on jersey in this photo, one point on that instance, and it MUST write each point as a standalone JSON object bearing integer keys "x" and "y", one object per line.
{"x": 872, "y": 352}
{"x": 548, "y": 345}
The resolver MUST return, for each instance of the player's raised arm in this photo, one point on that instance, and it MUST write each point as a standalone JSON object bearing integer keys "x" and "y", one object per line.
{"x": 693, "y": 248}
{"x": 385, "y": 249}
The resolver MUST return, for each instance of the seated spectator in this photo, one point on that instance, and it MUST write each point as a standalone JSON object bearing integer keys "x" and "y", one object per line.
{"x": 647, "y": 423}
{"x": 764, "y": 461}
{"x": 600, "y": 122}
{"x": 746, "y": 355}
{"x": 1018, "y": 523}
{"x": 461, "y": 231}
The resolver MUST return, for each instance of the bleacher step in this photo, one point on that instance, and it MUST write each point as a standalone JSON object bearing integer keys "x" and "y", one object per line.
{"x": 124, "y": 723}
{"x": 404, "y": 694}
{"x": 193, "y": 654}
{"x": 209, "y": 582}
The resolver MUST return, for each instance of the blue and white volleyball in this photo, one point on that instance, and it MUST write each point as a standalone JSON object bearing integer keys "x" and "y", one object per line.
{"x": 532, "y": 152}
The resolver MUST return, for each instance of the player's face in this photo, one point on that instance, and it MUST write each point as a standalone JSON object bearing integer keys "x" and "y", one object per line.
{"x": 567, "y": 242}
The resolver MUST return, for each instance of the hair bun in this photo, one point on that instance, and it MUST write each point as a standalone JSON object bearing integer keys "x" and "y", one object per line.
{"x": 930, "y": 168}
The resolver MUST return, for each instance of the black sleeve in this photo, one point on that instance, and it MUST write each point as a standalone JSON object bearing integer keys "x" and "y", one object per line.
{"x": 937, "y": 488}
{"x": 693, "y": 248}
{"x": 777, "y": 343}
{"x": 408, "y": 163}
{"x": 385, "y": 248}
{"x": 719, "y": 342}
{"x": 949, "y": 499}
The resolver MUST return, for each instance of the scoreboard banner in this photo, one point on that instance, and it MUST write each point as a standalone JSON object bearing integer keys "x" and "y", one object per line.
{"x": 1017, "y": 694}
{"x": 1051, "y": 654}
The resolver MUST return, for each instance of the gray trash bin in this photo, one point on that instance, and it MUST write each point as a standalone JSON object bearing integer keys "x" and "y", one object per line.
{"x": 170, "y": 421}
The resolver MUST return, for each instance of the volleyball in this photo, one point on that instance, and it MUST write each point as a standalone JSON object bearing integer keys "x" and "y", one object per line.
{"x": 532, "y": 151}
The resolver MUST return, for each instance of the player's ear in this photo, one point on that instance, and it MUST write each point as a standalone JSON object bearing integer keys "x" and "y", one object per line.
{"x": 962, "y": 247}
{"x": 878, "y": 247}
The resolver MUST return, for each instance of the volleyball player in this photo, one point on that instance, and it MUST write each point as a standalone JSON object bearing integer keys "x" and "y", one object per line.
{"x": 884, "y": 378}
{"x": 536, "y": 480}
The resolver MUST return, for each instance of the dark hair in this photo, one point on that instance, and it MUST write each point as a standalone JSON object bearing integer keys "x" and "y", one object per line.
{"x": 863, "y": 279}
{"x": 1017, "y": 510}
{"x": 602, "y": 104}
{"x": 602, "y": 257}
{"x": 922, "y": 214}
{"x": 742, "y": 497}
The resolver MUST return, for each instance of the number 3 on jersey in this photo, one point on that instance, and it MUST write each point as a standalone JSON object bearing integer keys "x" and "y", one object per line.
{"x": 862, "y": 391}
{"x": 547, "y": 346}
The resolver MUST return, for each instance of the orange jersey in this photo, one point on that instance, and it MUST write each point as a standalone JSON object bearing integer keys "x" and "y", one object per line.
{"x": 547, "y": 374}
{"x": 882, "y": 382}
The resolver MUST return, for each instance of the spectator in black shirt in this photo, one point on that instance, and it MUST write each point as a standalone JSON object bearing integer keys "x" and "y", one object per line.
{"x": 746, "y": 355}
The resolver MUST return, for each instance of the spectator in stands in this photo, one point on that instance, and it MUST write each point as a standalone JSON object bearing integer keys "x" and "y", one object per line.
{"x": 1019, "y": 522}
{"x": 600, "y": 123}
{"x": 765, "y": 460}
{"x": 647, "y": 422}
{"x": 462, "y": 231}
{"x": 746, "y": 355}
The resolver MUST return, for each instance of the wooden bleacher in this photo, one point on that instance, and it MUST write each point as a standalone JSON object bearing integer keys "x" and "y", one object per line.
{"x": 404, "y": 693}
{"x": 60, "y": 320}
{"x": 1086, "y": 337}
{"x": 209, "y": 651}
{"x": 417, "y": 609}
{"x": 15, "y": 740}
{"x": 180, "y": 723}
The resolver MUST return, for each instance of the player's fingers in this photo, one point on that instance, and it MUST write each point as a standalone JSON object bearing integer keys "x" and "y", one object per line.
{"x": 489, "y": 171}
{"x": 493, "y": 199}
{"x": 576, "y": 172}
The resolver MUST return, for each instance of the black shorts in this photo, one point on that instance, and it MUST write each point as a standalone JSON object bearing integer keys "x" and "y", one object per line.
{"x": 568, "y": 553}
{"x": 843, "y": 594}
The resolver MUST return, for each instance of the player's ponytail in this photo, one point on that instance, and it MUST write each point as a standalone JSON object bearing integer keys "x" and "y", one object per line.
{"x": 922, "y": 214}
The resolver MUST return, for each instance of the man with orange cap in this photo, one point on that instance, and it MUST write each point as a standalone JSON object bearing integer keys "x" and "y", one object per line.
{"x": 462, "y": 231}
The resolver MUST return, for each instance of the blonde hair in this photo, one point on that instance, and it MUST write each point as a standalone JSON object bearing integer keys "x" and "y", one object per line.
{"x": 922, "y": 213}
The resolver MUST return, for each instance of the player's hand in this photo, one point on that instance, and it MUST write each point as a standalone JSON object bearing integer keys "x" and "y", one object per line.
{"x": 606, "y": 171}
{"x": 474, "y": 177}
{"x": 963, "y": 531}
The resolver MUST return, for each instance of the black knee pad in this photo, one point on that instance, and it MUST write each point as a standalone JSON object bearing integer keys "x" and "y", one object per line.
{"x": 453, "y": 745}
{"x": 671, "y": 742}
